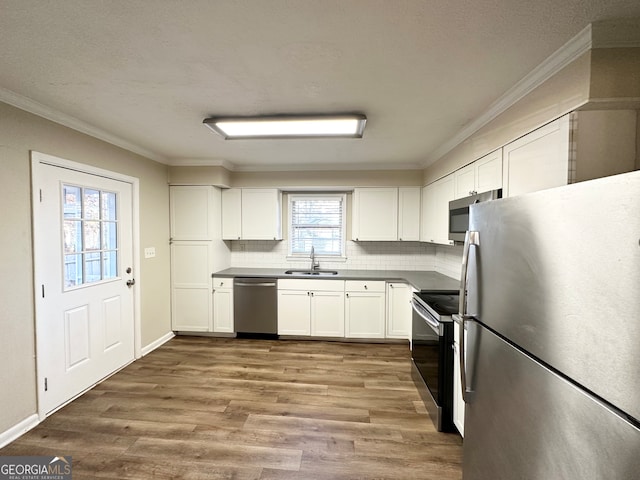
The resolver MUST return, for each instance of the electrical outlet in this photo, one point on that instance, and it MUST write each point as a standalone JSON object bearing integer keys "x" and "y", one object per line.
{"x": 149, "y": 252}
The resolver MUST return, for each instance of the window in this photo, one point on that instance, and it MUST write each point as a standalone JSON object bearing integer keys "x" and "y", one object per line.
{"x": 90, "y": 232}
{"x": 318, "y": 221}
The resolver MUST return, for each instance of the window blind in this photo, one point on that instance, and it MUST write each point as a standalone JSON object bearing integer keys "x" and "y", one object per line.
{"x": 317, "y": 221}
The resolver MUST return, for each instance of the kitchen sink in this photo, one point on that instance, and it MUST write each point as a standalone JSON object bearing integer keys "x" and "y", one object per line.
{"x": 315, "y": 273}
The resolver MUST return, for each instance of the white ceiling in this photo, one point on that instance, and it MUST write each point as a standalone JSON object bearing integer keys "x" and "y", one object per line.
{"x": 145, "y": 73}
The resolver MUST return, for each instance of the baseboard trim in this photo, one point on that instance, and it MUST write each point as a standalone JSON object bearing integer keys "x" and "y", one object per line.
{"x": 157, "y": 343}
{"x": 19, "y": 429}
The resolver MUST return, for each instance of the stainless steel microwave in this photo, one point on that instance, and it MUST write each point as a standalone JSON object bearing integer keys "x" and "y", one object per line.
{"x": 459, "y": 212}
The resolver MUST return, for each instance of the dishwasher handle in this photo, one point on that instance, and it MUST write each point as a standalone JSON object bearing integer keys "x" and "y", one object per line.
{"x": 262, "y": 284}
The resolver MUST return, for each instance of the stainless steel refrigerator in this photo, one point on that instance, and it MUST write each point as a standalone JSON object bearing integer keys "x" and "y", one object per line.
{"x": 552, "y": 315}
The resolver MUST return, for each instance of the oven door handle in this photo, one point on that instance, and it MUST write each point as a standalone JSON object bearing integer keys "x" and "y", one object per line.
{"x": 435, "y": 325}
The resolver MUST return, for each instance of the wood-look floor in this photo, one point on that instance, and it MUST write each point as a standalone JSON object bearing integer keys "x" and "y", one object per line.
{"x": 211, "y": 408}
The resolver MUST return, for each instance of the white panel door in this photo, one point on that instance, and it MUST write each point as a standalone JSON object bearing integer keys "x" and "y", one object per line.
{"x": 294, "y": 312}
{"x": 398, "y": 310}
{"x": 84, "y": 299}
{"x": 409, "y": 214}
{"x": 365, "y": 314}
{"x": 223, "y": 310}
{"x": 191, "y": 298}
{"x": 190, "y": 212}
{"x": 375, "y": 214}
{"x": 231, "y": 214}
{"x": 327, "y": 314}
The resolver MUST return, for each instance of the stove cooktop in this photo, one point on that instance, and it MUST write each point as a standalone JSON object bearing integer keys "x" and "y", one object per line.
{"x": 444, "y": 303}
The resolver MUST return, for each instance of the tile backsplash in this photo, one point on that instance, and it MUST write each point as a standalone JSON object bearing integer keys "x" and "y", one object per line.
{"x": 360, "y": 256}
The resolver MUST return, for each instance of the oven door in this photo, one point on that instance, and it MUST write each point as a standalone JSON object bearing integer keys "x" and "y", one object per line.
{"x": 426, "y": 348}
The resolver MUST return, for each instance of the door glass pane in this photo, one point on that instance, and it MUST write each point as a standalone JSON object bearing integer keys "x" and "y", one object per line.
{"x": 109, "y": 235}
{"x": 91, "y": 204}
{"x": 92, "y": 270}
{"x": 91, "y": 235}
{"x": 72, "y": 270}
{"x": 108, "y": 206}
{"x": 72, "y": 201}
{"x": 109, "y": 264}
{"x": 72, "y": 236}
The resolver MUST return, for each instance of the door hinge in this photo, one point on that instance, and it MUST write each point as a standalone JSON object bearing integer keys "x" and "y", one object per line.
{"x": 43, "y": 290}
{"x": 40, "y": 195}
{"x": 46, "y": 384}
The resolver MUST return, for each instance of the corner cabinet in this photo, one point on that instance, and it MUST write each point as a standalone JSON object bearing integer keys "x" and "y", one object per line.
{"x": 252, "y": 214}
{"x": 435, "y": 210}
{"x": 386, "y": 214}
{"x": 365, "y": 309}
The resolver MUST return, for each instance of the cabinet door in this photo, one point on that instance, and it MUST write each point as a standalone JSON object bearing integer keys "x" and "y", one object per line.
{"x": 231, "y": 214}
{"x": 364, "y": 314}
{"x": 375, "y": 214}
{"x": 465, "y": 181}
{"x": 398, "y": 310}
{"x": 458, "y": 401}
{"x": 327, "y": 314}
{"x": 223, "y": 310}
{"x": 261, "y": 214}
{"x": 537, "y": 161}
{"x": 409, "y": 214}
{"x": 436, "y": 198}
{"x": 488, "y": 172}
{"x": 294, "y": 312}
{"x": 190, "y": 212}
{"x": 191, "y": 299}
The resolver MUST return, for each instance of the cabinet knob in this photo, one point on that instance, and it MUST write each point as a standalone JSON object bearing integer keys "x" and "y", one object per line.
{"x": 347, "y": 295}
{"x": 366, "y": 288}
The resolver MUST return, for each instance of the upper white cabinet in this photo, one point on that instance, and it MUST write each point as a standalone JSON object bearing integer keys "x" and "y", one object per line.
{"x": 435, "y": 210}
{"x": 539, "y": 160}
{"x": 480, "y": 176}
{"x": 252, "y": 214}
{"x": 386, "y": 214}
{"x": 191, "y": 215}
{"x": 580, "y": 146}
{"x": 375, "y": 214}
{"x": 409, "y": 214}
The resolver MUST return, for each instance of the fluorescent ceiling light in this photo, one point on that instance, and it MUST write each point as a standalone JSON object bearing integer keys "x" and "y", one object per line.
{"x": 351, "y": 126}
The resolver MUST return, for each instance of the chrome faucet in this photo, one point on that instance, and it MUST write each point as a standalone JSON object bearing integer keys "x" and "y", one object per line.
{"x": 314, "y": 263}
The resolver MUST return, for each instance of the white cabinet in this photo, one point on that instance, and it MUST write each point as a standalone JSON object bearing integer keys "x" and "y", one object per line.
{"x": 458, "y": 401}
{"x": 375, "y": 214}
{"x": 197, "y": 250}
{"x": 480, "y": 176}
{"x": 398, "y": 310}
{"x": 191, "y": 212}
{"x": 223, "y": 305}
{"x": 311, "y": 307}
{"x": 386, "y": 214}
{"x": 409, "y": 214}
{"x": 191, "y": 300}
{"x": 232, "y": 214}
{"x": 537, "y": 161}
{"x": 252, "y": 214}
{"x": 435, "y": 210}
{"x": 365, "y": 310}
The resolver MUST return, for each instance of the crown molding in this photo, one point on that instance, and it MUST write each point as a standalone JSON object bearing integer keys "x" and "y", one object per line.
{"x": 328, "y": 167}
{"x": 562, "y": 57}
{"x": 44, "y": 111}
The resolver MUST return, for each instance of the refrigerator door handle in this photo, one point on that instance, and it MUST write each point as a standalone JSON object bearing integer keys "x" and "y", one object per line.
{"x": 470, "y": 239}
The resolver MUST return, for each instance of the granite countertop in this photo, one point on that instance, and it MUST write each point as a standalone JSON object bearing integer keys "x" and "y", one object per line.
{"x": 420, "y": 280}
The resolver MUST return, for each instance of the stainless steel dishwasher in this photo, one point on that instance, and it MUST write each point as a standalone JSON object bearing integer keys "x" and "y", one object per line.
{"x": 255, "y": 306}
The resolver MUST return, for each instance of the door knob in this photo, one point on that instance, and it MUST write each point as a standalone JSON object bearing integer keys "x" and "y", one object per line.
{"x": 131, "y": 283}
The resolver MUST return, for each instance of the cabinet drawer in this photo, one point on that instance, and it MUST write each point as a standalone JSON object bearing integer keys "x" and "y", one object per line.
{"x": 222, "y": 282}
{"x": 364, "y": 286}
{"x": 311, "y": 285}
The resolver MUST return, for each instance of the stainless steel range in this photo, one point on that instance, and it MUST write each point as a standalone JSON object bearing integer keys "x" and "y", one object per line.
{"x": 432, "y": 353}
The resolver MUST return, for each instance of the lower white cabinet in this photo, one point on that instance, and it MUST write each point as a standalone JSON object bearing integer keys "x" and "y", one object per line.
{"x": 365, "y": 310}
{"x": 458, "y": 401}
{"x": 398, "y": 310}
{"x": 223, "y": 305}
{"x": 191, "y": 302}
{"x": 311, "y": 307}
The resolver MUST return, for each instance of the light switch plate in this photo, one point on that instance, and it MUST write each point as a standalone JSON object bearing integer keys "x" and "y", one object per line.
{"x": 149, "y": 252}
